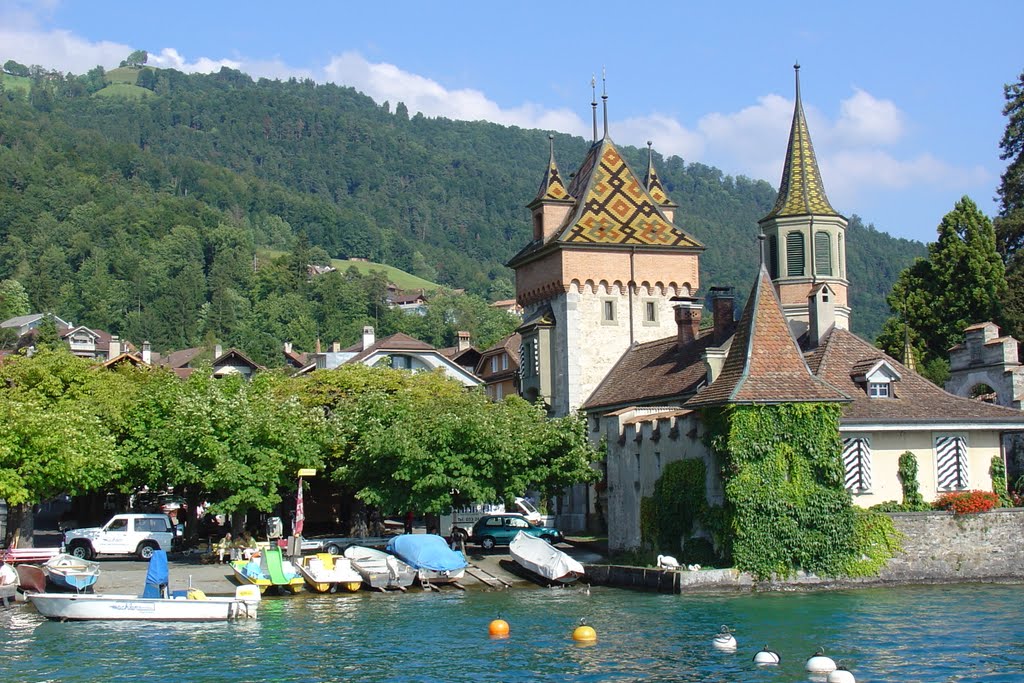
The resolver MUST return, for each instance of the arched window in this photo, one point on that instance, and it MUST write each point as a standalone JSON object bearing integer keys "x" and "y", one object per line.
{"x": 822, "y": 253}
{"x": 795, "y": 254}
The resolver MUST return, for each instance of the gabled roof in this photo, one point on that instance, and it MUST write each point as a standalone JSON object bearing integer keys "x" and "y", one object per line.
{"x": 238, "y": 357}
{"x": 181, "y": 359}
{"x": 801, "y": 191}
{"x": 765, "y": 364}
{"x": 915, "y": 399}
{"x": 396, "y": 342}
{"x": 510, "y": 346}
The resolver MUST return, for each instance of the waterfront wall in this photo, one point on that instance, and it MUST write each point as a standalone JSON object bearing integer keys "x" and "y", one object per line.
{"x": 938, "y": 547}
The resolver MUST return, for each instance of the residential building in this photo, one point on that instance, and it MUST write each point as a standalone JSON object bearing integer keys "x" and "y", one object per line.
{"x": 498, "y": 367}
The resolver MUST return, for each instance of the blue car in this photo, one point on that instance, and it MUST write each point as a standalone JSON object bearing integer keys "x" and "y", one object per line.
{"x": 501, "y": 528}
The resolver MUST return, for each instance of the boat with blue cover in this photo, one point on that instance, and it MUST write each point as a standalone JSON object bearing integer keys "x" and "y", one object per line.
{"x": 430, "y": 556}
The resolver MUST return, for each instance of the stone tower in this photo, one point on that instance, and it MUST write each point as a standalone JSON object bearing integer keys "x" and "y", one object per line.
{"x": 806, "y": 237}
{"x": 599, "y": 274}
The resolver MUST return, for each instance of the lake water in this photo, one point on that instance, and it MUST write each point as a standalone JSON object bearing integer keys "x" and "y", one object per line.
{"x": 908, "y": 634}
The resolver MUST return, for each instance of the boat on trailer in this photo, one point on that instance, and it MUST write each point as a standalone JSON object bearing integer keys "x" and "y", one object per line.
{"x": 70, "y": 572}
{"x": 543, "y": 559}
{"x": 380, "y": 570}
{"x": 155, "y": 603}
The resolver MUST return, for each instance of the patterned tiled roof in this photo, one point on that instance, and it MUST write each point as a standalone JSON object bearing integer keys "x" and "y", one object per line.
{"x": 653, "y": 183}
{"x": 801, "y": 191}
{"x": 652, "y": 372}
{"x": 614, "y": 207}
{"x": 841, "y": 354}
{"x": 764, "y": 364}
{"x": 552, "y": 187}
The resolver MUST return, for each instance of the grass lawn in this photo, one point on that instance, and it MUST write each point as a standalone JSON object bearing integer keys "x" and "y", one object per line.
{"x": 16, "y": 83}
{"x": 125, "y": 91}
{"x": 123, "y": 74}
{"x": 396, "y": 276}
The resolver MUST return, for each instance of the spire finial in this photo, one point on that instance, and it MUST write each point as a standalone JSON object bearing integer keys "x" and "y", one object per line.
{"x": 650, "y": 154}
{"x": 761, "y": 237}
{"x": 593, "y": 102}
{"x": 604, "y": 98}
{"x": 796, "y": 71}
{"x": 551, "y": 146}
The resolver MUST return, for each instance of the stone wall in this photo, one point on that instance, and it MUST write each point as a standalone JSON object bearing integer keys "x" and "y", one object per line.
{"x": 940, "y": 546}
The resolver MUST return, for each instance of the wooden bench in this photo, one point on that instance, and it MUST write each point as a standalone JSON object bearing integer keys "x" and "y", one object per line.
{"x": 33, "y": 555}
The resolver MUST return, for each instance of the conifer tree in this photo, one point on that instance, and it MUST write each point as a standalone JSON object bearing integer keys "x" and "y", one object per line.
{"x": 1010, "y": 222}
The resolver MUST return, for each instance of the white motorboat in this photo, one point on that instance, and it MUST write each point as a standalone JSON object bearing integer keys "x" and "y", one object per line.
{"x": 155, "y": 603}
{"x": 545, "y": 560}
{"x": 379, "y": 569}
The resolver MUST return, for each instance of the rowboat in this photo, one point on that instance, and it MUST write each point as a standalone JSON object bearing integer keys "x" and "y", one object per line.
{"x": 31, "y": 578}
{"x": 326, "y": 573}
{"x": 269, "y": 569}
{"x": 155, "y": 603}
{"x": 68, "y": 571}
{"x": 379, "y": 569}
{"x": 430, "y": 556}
{"x": 545, "y": 560}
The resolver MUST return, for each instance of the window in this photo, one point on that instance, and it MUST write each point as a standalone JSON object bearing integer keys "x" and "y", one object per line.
{"x": 879, "y": 389}
{"x": 118, "y": 525}
{"x": 504, "y": 361}
{"x": 795, "y": 254}
{"x": 857, "y": 464}
{"x": 494, "y": 521}
{"x": 498, "y": 392}
{"x": 773, "y": 256}
{"x": 401, "y": 362}
{"x": 608, "y": 311}
{"x": 494, "y": 364}
{"x": 517, "y": 523}
{"x": 822, "y": 253}
{"x": 951, "y": 463}
{"x": 650, "y": 312}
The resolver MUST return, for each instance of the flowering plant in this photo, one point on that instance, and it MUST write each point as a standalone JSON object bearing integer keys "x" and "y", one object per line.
{"x": 967, "y": 502}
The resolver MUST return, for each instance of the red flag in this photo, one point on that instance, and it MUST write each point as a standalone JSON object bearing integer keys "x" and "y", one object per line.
{"x": 300, "y": 512}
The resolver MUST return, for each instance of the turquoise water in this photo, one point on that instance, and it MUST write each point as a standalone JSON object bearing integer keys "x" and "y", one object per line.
{"x": 908, "y": 634}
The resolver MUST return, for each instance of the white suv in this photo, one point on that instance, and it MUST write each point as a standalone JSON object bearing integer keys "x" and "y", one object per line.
{"x": 123, "y": 535}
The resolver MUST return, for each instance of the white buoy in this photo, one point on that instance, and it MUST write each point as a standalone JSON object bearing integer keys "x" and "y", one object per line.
{"x": 841, "y": 675}
{"x": 724, "y": 640}
{"x": 667, "y": 562}
{"x": 819, "y": 663}
{"x": 766, "y": 657}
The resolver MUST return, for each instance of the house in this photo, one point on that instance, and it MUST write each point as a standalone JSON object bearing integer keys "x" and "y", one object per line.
{"x": 23, "y": 324}
{"x": 231, "y": 362}
{"x": 414, "y": 303}
{"x": 399, "y": 351}
{"x": 509, "y": 306}
{"x": 463, "y": 353}
{"x": 596, "y": 336}
{"x": 498, "y": 367}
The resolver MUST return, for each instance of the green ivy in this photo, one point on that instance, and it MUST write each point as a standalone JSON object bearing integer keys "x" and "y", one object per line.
{"x": 667, "y": 517}
{"x": 878, "y": 540}
{"x": 907, "y": 473}
{"x": 998, "y": 471}
{"x": 786, "y": 504}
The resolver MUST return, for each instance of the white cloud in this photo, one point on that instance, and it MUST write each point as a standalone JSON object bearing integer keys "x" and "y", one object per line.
{"x": 864, "y": 119}
{"x": 60, "y": 50}
{"x": 169, "y": 58}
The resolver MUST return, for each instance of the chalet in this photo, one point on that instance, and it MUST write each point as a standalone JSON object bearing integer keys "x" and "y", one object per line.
{"x": 498, "y": 367}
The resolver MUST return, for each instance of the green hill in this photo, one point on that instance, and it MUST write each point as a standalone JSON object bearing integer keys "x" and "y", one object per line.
{"x": 141, "y": 214}
{"x": 399, "y": 277}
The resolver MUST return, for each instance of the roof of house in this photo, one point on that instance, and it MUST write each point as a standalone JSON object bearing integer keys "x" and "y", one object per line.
{"x": 551, "y": 186}
{"x": 510, "y": 346}
{"x": 396, "y": 342}
{"x": 842, "y": 355}
{"x": 764, "y": 364}
{"x": 801, "y": 191}
{"x": 180, "y": 359}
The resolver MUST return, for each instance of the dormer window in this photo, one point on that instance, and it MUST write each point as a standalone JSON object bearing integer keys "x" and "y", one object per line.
{"x": 878, "y": 390}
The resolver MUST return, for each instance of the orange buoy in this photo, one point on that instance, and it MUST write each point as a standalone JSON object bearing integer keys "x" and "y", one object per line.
{"x": 584, "y": 633}
{"x": 498, "y": 628}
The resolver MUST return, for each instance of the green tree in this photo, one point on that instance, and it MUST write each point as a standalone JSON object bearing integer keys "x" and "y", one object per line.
{"x": 136, "y": 59}
{"x": 1010, "y": 222}
{"x": 960, "y": 283}
{"x": 15, "y": 69}
{"x": 13, "y": 300}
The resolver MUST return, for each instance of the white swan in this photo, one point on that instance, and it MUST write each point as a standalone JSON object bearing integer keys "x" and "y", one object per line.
{"x": 667, "y": 562}
{"x": 724, "y": 640}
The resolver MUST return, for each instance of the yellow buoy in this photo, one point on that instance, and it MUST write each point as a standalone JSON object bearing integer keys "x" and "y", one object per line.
{"x": 498, "y": 628}
{"x": 584, "y": 633}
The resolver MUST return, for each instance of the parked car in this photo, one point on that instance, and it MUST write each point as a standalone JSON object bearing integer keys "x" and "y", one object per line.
{"x": 500, "y": 529}
{"x": 127, "y": 534}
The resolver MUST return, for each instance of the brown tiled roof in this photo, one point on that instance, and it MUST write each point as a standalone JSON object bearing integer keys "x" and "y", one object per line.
{"x": 509, "y": 345}
{"x": 235, "y": 353}
{"x": 764, "y": 364}
{"x": 652, "y": 372}
{"x": 915, "y": 398}
{"x": 181, "y": 359}
{"x": 396, "y": 342}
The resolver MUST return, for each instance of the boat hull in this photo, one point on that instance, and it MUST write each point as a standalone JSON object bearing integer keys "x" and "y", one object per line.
{"x": 326, "y": 573}
{"x": 72, "y": 573}
{"x": 541, "y": 558}
{"x": 132, "y": 608}
{"x": 31, "y": 578}
{"x": 380, "y": 570}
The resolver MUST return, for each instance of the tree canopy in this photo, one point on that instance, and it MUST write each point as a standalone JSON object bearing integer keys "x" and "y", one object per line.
{"x": 1010, "y": 222}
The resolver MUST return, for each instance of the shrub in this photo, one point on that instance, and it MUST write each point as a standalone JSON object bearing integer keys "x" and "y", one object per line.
{"x": 967, "y": 502}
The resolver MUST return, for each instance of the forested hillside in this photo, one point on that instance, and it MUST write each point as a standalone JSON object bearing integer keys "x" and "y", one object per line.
{"x": 139, "y": 210}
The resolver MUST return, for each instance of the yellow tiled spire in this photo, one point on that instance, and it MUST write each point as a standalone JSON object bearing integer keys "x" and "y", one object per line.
{"x": 801, "y": 191}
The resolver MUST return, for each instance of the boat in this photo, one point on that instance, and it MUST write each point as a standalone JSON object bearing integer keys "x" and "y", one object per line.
{"x": 31, "y": 578}
{"x": 540, "y": 557}
{"x": 430, "y": 556}
{"x": 269, "y": 569}
{"x": 326, "y": 573}
{"x": 155, "y": 603}
{"x": 68, "y": 571}
{"x": 380, "y": 570}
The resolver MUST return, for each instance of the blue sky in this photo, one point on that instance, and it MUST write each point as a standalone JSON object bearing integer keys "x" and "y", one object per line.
{"x": 904, "y": 99}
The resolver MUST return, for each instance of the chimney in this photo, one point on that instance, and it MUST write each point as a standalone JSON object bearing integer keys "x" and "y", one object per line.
{"x": 723, "y": 308}
{"x": 463, "y": 342}
{"x": 318, "y": 344}
{"x": 115, "y": 347}
{"x": 368, "y": 337}
{"x": 218, "y": 351}
{"x": 335, "y": 347}
{"x": 688, "y": 313}
{"x": 821, "y": 310}
{"x": 147, "y": 353}
{"x": 287, "y": 347}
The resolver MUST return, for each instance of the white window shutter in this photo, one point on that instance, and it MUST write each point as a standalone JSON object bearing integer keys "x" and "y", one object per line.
{"x": 951, "y": 462}
{"x": 857, "y": 463}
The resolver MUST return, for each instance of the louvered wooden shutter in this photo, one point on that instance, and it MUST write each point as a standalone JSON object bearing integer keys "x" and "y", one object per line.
{"x": 795, "y": 254}
{"x": 773, "y": 256}
{"x": 951, "y": 462}
{"x": 857, "y": 462}
{"x": 822, "y": 253}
